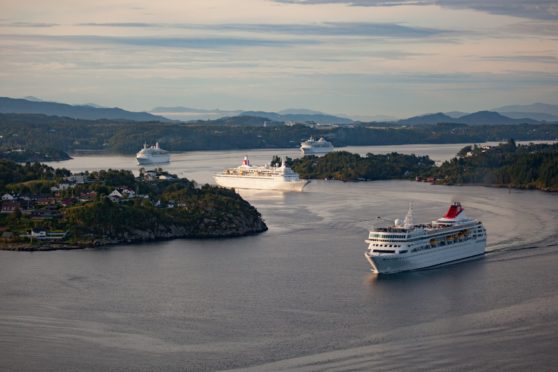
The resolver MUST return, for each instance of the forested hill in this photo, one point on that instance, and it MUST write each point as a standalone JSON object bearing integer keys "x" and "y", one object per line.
{"x": 533, "y": 166}
{"x": 509, "y": 165}
{"x": 344, "y": 166}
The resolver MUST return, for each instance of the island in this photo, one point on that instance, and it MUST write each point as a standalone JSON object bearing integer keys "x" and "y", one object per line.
{"x": 49, "y": 209}
{"x": 345, "y": 166}
{"x": 533, "y": 166}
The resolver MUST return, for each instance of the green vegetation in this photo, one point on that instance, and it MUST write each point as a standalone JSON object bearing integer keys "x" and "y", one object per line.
{"x": 342, "y": 165}
{"x": 507, "y": 165}
{"x": 45, "y": 154}
{"x": 43, "y": 133}
{"x": 46, "y": 208}
{"x": 13, "y": 173}
{"x": 510, "y": 165}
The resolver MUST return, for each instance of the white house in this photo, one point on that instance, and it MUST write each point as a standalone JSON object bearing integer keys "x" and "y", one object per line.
{"x": 36, "y": 233}
{"x": 129, "y": 193}
{"x": 115, "y": 195}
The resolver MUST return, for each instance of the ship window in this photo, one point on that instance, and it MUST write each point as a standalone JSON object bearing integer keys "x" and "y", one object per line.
{"x": 401, "y": 252}
{"x": 383, "y": 251}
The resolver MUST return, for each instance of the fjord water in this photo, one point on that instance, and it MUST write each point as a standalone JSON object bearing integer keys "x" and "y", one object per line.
{"x": 299, "y": 296}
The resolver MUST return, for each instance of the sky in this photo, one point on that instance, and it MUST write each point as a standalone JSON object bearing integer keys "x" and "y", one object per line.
{"x": 352, "y": 57}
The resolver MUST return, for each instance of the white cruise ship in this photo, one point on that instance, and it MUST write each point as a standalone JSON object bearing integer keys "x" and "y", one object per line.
{"x": 406, "y": 246}
{"x": 313, "y": 147}
{"x": 152, "y": 155}
{"x": 264, "y": 177}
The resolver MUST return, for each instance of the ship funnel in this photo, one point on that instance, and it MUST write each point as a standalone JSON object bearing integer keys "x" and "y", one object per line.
{"x": 408, "y": 222}
{"x": 454, "y": 210}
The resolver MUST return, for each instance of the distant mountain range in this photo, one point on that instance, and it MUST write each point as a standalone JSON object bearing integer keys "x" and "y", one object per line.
{"x": 188, "y": 113}
{"x": 532, "y": 108}
{"x": 295, "y": 115}
{"x": 507, "y": 115}
{"x": 314, "y": 116}
{"x": 537, "y": 111}
{"x": 476, "y": 118}
{"x": 534, "y": 113}
{"x": 88, "y": 112}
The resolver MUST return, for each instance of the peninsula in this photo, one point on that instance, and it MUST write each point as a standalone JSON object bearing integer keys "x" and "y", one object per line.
{"x": 47, "y": 209}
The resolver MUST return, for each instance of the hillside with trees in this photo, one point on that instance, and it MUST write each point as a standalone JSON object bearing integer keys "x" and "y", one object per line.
{"x": 45, "y": 209}
{"x": 507, "y": 165}
{"x": 344, "y": 166}
{"x": 533, "y": 166}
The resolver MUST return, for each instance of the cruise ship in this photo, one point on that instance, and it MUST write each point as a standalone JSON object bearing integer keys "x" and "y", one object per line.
{"x": 406, "y": 246}
{"x": 313, "y": 147}
{"x": 152, "y": 155}
{"x": 264, "y": 177}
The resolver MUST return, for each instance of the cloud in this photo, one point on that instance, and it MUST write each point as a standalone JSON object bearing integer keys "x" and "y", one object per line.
{"x": 121, "y": 24}
{"x": 171, "y": 42}
{"x": 537, "y": 9}
{"x": 27, "y": 24}
{"x": 540, "y": 28}
{"x": 340, "y": 29}
{"x": 322, "y": 29}
{"x": 523, "y": 58}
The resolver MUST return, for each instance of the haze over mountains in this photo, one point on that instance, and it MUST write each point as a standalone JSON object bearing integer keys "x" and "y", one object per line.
{"x": 537, "y": 111}
{"x": 295, "y": 115}
{"x": 37, "y": 106}
{"x": 476, "y": 118}
{"x": 507, "y": 115}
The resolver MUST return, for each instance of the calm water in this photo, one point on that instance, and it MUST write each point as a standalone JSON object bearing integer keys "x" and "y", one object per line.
{"x": 298, "y": 297}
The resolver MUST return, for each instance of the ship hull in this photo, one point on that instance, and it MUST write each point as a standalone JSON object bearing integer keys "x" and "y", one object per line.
{"x": 259, "y": 183}
{"x": 149, "y": 160}
{"x": 316, "y": 151}
{"x": 390, "y": 264}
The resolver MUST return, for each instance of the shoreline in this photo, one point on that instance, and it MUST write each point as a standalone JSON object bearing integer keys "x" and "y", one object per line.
{"x": 100, "y": 243}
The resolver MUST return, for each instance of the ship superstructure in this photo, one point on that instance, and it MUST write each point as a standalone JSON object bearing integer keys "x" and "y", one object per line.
{"x": 152, "y": 155}
{"x": 264, "y": 177}
{"x": 316, "y": 147}
{"x": 406, "y": 246}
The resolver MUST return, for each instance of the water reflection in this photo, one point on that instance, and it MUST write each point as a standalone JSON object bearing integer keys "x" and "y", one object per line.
{"x": 255, "y": 195}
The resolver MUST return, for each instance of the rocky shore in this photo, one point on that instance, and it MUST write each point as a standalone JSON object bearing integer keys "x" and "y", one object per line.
{"x": 160, "y": 233}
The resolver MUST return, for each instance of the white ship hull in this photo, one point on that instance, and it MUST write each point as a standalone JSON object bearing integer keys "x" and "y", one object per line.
{"x": 259, "y": 183}
{"x": 153, "y": 159}
{"x": 390, "y": 264}
{"x": 316, "y": 150}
